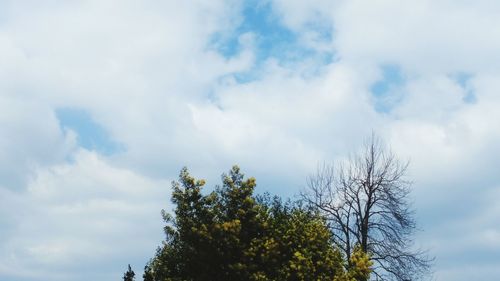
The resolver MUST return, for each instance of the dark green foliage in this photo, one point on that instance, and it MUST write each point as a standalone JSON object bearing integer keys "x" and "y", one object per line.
{"x": 129, "y": 275}
{"x": 229, "y": 234}
{"x": 148, "y": 274}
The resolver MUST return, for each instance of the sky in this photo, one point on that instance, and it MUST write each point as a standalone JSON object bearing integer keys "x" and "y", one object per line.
{"x": 102, "y": 102}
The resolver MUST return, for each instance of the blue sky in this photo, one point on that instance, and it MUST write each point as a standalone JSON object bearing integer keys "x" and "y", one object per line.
{"x": 102, "y": 103}
{"x": 89, "y": 134}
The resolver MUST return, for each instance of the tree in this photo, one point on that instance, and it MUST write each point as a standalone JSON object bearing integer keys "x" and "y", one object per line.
{"x": 148, "y": 274}
{"x": 187, "y": 252}
{"x": 129, "y": 275}
{"x": 230, "y": 234}
{"x": 366, "y": 202}
{"x": 360, "y": 266}
{"x": 296, "y": 245}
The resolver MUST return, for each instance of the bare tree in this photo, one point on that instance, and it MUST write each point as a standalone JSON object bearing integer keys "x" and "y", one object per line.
{"x": 365, "y": 201}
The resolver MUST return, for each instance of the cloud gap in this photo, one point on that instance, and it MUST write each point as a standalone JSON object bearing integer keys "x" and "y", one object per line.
{"x": 386, "y": 92}
{"x": 91, "y": 135}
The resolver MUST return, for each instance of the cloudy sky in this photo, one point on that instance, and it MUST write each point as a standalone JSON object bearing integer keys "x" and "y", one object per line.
{"x": 102, "y": 103}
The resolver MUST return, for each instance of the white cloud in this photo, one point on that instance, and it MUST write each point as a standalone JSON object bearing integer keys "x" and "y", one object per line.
{"x": 79, "y": 216}
{"x": 151, "y": 76}
{"x": 451, "y": 143}
{"x": 26, "y": 142}
{"x": 423, "y": 36}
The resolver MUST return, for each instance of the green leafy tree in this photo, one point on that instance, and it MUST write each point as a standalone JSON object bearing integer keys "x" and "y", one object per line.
{"x": 129, "y": 275}
{"x": 359, "y": 266}
{"x": 187, "y": 251}
{"x": 237, "y": 227}
{"x": 296, "y": 246}
{"x": 230, "y": 234}
{"x": 148, "y": 274}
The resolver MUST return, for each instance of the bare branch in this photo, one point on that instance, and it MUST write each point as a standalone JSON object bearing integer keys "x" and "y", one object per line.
{"x": 365, "y": 201}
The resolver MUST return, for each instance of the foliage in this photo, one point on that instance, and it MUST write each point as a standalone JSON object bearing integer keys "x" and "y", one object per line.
{"x": 360, "y": 265}
{"x": 148, "y": 274}
{"x": 297, "y": 244}
{"x": 129, "y": 275}
{"x": 359, "y": 268}
{"x": 230, "y": 234}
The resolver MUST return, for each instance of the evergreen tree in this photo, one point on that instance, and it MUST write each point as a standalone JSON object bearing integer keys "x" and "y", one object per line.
{"x": 229, "y": 234}
{"x": 148, "y": 274}
{"x": 129, "y": 275}
{"x": 297, "y": 245}
{"x": 359, "y": 266}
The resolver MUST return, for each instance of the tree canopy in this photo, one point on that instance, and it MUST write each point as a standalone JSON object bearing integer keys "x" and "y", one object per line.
{"x": 129, "y": 275}
{"x": 232, "y": 234}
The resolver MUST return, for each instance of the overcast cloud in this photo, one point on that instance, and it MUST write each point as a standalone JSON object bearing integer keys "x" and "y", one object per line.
{"x": 102, "y": 103}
